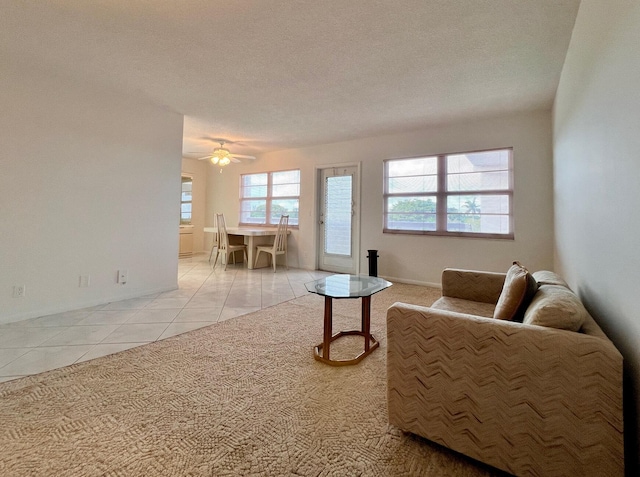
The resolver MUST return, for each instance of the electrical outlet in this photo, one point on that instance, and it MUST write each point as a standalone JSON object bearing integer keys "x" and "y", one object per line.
{"x": 19, "y": 291}
{"x": 123, "y": 275}
{"x": 84, "y": 281}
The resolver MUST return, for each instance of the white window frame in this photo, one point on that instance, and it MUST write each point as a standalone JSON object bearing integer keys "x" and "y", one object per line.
{"x": 269, "y": 198}
{"x": 442, "y": 194}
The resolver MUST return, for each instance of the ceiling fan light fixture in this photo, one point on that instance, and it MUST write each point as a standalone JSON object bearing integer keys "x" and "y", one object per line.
{"x": 221, "y": 152}
{"x": 221, "y": 156}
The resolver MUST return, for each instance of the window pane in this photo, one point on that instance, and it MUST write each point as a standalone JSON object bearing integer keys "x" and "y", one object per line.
{"x": 478, "y": 204}
{"x": 478, "y": 181}
{"x": 254, "y": 191}
{"x": 337, "y": 220}
{"x": 286, "y": 190}
{"x": 254, "y": 180}
{"x": 486, "y": 224}
{"x": 186, "y": 189}
{"x": 253, "y": 211}
{"x": 413, "y": 167}
{"x": 479, "y": 161}
{"x": 284, "y": 207}
{"x": 403, "y": 185}
{"x": 411, "y": 213}
{"x": 478, "y": 214}
{"x": 286, "y": 177}
{"x": 487, "y": 170}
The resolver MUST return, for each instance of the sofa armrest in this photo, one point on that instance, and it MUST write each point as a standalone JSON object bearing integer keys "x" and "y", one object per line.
{"x": 523, "y": 398}
{"x": 472, "y": 285}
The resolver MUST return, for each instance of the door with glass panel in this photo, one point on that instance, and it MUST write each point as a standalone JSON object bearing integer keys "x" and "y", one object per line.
{"x": 338, "y": 220}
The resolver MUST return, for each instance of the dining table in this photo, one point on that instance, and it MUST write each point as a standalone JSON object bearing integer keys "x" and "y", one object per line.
{"x": 251, "y": 237}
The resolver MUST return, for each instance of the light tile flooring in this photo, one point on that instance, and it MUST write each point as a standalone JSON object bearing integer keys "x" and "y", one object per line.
{"x": 204, "y": 296}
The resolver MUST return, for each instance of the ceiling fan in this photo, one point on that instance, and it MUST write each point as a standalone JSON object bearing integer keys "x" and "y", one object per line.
{"x": 221, "y": 156}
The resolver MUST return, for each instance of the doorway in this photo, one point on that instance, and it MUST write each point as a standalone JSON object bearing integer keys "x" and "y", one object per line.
{"x": 339, "y": 219}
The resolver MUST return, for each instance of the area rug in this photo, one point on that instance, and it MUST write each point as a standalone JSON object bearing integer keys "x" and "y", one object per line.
{"x": 241, "y": 397}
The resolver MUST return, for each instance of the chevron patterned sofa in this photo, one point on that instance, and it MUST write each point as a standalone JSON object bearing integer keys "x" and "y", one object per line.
{"x": 531, "y": 400}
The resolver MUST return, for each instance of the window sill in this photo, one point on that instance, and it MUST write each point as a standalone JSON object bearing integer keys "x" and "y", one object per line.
{"x": 451, "y": 234}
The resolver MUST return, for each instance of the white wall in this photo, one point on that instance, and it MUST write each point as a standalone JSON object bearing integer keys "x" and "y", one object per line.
{"x": 597, "y": 171}
{"x": 199, "y": 171}
{"x": 409, "y": 258}
{"x": 90, "y": 183}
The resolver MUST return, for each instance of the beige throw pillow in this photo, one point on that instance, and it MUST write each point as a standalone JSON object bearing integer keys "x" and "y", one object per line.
{"x": 517, "y": 292}
{"x": 556, "y": 307}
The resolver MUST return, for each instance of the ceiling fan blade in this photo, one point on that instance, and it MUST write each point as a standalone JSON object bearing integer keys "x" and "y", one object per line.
{"x": 237, "y": 161}
{"x": 203, "y": 158}
{"x": 196, "y": 155}
{"x": 242, "y": 156}
{"x": 219, "y": 140}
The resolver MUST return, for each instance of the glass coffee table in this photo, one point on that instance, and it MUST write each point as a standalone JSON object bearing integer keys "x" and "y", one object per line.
{"x": 346, "y": 286}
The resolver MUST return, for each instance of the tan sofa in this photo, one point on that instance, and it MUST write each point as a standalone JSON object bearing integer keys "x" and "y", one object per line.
{"x": 527, "y": 399}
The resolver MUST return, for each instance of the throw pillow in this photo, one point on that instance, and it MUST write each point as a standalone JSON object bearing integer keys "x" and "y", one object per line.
{"x": 556, "y": 307}
{"x": 517, "y": 292}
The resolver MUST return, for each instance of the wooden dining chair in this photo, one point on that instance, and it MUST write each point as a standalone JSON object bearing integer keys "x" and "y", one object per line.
{"x": 279, "y": 246}
{"x": 225, "y": 247}
{"x": 216, "y": 238}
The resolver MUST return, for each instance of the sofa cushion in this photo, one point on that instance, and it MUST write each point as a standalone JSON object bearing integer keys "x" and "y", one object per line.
{"x": 461, "y": 305}
{"x": 556, "y": 307}
{"x": 517, "y": 292}
{"x": 545, "y": 277}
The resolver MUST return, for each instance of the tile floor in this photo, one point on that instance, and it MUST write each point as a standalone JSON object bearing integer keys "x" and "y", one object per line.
{"x": 204, "y": 296}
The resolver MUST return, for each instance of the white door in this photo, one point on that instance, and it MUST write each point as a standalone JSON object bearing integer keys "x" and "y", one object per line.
{"x": 338, "y": 220}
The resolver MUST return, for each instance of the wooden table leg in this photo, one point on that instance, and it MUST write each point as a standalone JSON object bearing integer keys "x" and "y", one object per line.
{"x": 250, "y": 252}
{"x": 322, "y": 351}
{"x": 366, "y": 321}
{"x": 328, "y": 317}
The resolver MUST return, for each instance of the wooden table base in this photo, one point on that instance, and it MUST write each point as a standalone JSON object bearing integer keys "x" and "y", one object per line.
{"x": 322, "y": 351}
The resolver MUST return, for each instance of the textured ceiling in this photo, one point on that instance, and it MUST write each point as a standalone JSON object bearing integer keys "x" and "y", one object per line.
{"x": 276, "y": 74}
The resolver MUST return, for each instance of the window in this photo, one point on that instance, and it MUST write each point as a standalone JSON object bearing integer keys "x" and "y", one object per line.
{"x": 186, "y": 200}
{"x": 468, "y": 194}
{"x": 266, "y": 196}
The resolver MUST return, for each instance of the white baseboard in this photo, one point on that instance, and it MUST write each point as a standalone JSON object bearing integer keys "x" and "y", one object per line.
{"x": 96, "y": 302}
{"x": 53, "y": 310}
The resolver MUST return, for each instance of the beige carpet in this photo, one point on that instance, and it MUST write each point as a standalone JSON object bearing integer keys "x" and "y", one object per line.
{"x": 242, "y": 397}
